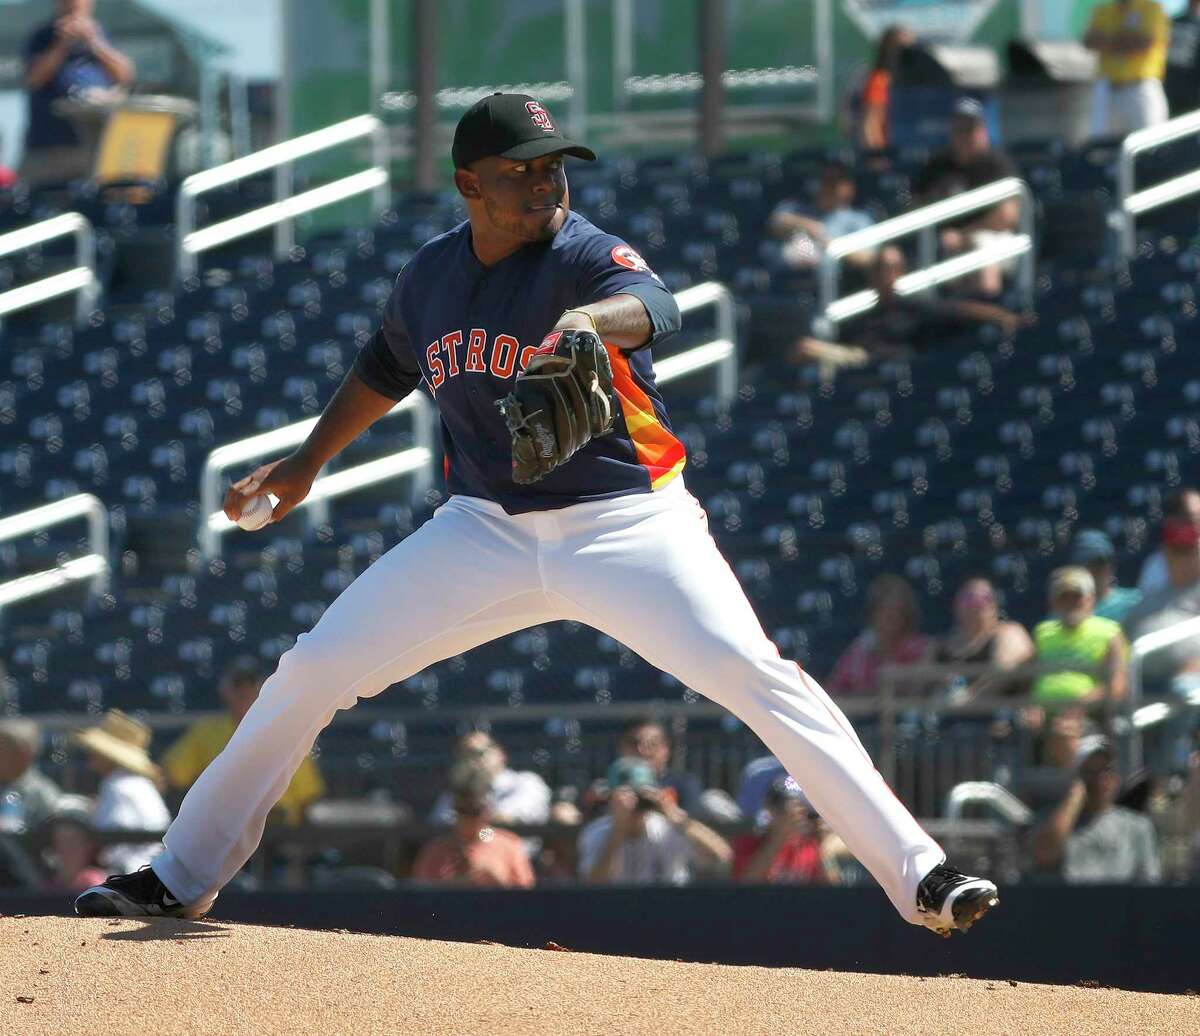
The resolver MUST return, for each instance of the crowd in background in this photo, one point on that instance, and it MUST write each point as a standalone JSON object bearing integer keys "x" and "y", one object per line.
{"x": 646, "y": 821}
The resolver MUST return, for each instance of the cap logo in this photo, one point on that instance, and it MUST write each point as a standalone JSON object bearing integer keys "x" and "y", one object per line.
{"x": 539, "y": 115}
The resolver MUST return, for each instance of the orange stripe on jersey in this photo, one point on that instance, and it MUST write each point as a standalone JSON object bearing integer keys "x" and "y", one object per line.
{"x": 657, "y": 450}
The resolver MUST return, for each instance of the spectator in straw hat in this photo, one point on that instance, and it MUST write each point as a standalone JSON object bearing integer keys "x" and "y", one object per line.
{"x": 128, "y": 798}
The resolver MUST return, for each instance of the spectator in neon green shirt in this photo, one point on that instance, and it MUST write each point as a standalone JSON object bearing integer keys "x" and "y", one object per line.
{"x": 1077, "y": 636}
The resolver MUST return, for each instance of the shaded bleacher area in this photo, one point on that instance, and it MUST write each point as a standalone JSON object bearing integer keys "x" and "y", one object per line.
{"x": 981, "y": 456}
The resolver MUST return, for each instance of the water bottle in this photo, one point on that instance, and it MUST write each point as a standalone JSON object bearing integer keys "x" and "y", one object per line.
{"x": 12, "y": 813}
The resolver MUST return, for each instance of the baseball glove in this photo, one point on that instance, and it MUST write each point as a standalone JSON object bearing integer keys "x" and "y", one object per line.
{"x": 559, "y": 403}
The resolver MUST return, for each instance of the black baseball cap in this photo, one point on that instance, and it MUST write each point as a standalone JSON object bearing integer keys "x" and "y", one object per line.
{"x": 514, "y": 126}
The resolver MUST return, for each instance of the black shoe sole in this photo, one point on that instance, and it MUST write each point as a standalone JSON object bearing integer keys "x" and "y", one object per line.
{"x": 95, "y": 905}
{"x": 971, "y": 906}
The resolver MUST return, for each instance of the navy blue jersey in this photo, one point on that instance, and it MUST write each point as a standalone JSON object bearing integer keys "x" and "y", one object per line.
{"x": 465, "y": 329}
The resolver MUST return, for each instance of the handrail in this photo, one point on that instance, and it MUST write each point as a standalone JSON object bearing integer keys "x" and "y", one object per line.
{"x": 417, "y": 461}
{"x": 1155, "y": 641}
{"x": 1130, "y": 205}
{"x": 81, "y": 279}
{"x": 282, "y": 212}
{"x": 923, "y": 221}
{"x": 720, "y": 352}
{"x": 93, "y": 566}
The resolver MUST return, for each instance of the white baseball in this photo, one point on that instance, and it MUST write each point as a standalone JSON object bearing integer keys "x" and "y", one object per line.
{"x": 255, "y": 513}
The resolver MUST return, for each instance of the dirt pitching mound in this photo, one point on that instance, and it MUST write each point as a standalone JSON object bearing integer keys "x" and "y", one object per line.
{"x": 62, "y": 977}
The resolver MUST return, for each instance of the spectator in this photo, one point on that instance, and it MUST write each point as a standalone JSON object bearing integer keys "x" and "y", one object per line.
{"x": 900, "y": 325}
{"x": 1079, "y": 638}
{"x": 1175, "y": 602}
{"x": 1131, "y": 37}
{"x": 8, "y": 177}
{"x": 787, "y": 848}
{"x": 188, "y": 757}
{"x": 72, "y": 849}
{"x": 646, "y": 738}
{"x": 807, "y": 229}
{"x": 980, "y": 637}
{"x": 27, "y": 796}
{"x": 1183, "y": 61}
{"x": 517, "y": 797}
{"x": 1185, "y": 504}
{"x": 128, "y": 797}
{"x": 476, "y": 852}
{"x": 755, "y": 781}
{"x": 892, "y": 637}
{"x": 67, "y": 57}
{"x": 970, "y": 162}
{"x": 1043, "y": 785}
{"x": 875, "y": 105}
{"x": 645, "y": 838}
{"x": 1092, "y": 550}
{"x": 1087, "y": 837}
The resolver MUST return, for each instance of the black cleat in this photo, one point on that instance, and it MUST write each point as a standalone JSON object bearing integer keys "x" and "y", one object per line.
{"x": 949, "y": 900}
{"x": 139, "y": 894}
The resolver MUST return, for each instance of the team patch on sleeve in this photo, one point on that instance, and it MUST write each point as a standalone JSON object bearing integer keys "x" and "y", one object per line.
{"x": 625, "y": 256}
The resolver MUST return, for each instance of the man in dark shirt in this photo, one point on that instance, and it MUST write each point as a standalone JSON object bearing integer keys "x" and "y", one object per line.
{"x": 1183, "y": 61}
{"x": 968, "y": 163}
{"x": 901, "y": 325}
{"x": 646, "y": 738}
{"x": 65, "y": 58}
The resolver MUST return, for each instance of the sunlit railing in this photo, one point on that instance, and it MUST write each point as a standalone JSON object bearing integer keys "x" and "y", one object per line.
{"x": 79, "y": 280}
{"x": 282, "y": 213}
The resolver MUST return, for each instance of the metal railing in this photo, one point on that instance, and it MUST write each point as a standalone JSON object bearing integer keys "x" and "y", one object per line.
{"x": 416, "y": 461}
{"x": 80, "y": 279}
{"x": 1150, "y": 642}
{"x": 1130, "y": 205}
{"x": 721, "y": 352}
{"x": 282, "y": 213}
{"x": 924, "y": 221}
{"x": 93, "y": 565}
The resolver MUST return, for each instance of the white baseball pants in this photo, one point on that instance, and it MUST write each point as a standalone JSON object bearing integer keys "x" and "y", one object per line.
{"x": 1118, "y": 110}
{"x": 641, "y": 568}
